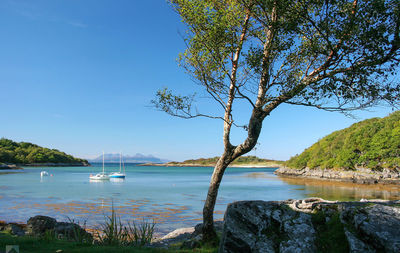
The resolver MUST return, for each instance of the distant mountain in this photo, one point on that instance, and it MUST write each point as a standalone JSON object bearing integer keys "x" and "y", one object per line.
{"x": 137, "y": 158}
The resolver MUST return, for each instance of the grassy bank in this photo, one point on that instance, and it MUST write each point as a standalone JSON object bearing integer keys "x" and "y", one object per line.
{"x": 33, "y": 244}
{"x": 111, "y": 236}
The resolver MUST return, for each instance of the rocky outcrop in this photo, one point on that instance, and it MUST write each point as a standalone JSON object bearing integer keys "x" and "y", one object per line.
{"x": 189, "y": 238}
{"x": 359, "y": 175}
{"x": 74, "y": 164}
{"x": 13, "y": 228}
{"x": 311, "y": 225}
{"x": 40, "y": 225}
{"x": 9, "y": 167}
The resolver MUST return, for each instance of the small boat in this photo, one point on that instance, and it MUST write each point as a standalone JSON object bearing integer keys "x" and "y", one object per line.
{"x": 119, "y": 174}
{"x": 44, "y": 174}
{"x": 100, "y": 176}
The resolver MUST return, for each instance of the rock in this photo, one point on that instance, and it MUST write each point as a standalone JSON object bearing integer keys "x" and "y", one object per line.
{"x": 38, "y": 225}
{"x": 302, "y": 225}
{"x": 359, "y": 175}
{"x": 179, "y": 232}
{"x": 198, "y": 229}
{"x": 9, "y": 167}
{"x": 69, "y": 230}
{"x": 192, "y": 243}
{"x": 253, "y": 226}
{"x": 380, "y": 224}
{"x": 190, "y": 237}
{"x": 15, "y": 229}
{"x": 356, "y": 245}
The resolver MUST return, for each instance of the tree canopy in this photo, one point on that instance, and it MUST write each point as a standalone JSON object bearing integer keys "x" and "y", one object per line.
{"x": 28, "y": 153}
{"x": 372, "y": 143}
{"x": 335, "y": 55}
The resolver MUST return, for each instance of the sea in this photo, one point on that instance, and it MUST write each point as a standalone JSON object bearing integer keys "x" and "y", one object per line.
{"x": 170, "y": 197}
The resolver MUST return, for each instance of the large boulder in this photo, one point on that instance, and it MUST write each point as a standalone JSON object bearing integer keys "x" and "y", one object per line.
{"x": 39, "y": 224}
{"x": 14, "y": 229}
{"x": 70, "y": 230}
{"x": 311, "y": 225}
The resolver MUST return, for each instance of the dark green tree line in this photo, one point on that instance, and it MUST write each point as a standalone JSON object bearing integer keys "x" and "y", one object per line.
{"x": 27, "y": 153}
{"x": 373, "y": 143}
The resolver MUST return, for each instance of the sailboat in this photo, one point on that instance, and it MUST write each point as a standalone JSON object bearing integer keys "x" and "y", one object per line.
{"x": 100, "y": 176}
{"x": 119, "y": 174}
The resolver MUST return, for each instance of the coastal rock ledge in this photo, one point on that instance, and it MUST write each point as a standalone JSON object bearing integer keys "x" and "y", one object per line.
{"x": 359, "y": 175}
{"x": 311, "y": 225}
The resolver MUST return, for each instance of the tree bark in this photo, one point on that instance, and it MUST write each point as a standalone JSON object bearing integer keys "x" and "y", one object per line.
{"x": 230, "y": 154}
{"x": 209, "y": 234}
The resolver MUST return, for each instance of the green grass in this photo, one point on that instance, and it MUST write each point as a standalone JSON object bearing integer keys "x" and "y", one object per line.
{"x": 330, "y": 234}
{"x": 31, "y": 244}
{"x": 113, "y": 232}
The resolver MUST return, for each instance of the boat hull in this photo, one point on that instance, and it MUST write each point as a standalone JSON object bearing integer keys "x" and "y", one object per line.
{"x": 117, "y": 175}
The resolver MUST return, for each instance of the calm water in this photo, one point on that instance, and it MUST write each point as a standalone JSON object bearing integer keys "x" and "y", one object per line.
{"x": 171, "y": 196}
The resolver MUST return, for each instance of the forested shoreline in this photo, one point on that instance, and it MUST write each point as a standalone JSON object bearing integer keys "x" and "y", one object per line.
{"x": 29, "y": 154}
{"x": 372, "y": 143}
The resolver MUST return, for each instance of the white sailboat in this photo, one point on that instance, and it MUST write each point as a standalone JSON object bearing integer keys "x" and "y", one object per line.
{"x": 100, "y": 176}
{"x": 119, "y": 174}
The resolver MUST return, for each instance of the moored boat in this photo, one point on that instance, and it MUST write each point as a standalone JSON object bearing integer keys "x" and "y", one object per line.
{"x": 119, "y": 174}
{"x": 100, "y": 176}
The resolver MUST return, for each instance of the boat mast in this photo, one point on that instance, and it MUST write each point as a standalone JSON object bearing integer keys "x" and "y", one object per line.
{"x": 120, "y": 161}
{"x": 123, "y": 165}
{"x": 103, "y": 161}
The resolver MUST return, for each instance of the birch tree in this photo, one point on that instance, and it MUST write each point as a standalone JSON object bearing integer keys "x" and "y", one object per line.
{"x": 334, "y": 55}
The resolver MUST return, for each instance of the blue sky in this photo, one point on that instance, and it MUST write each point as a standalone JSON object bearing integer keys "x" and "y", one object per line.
{"x": 79, "y": 76}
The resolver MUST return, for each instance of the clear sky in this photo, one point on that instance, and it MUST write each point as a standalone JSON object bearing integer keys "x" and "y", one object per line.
{"x": 79, "y": 76}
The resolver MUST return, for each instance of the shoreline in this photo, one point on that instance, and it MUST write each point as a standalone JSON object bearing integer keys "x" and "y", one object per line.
{"x": 55, "y": 165}
{"x": 358, "y": 176}
{"x": 272, "y": 165}
{"x": 314, "y": 214}
{"x": 10, "y": 167}
{"x": 20, "y": 166}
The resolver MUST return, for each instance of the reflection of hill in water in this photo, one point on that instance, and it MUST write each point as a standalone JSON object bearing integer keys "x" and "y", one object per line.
{"x": 335, "y": 190}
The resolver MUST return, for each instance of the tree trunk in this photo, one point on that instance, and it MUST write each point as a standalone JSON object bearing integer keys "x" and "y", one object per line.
{"x": 230, "y": 154}
{"x": 209, "y": 234}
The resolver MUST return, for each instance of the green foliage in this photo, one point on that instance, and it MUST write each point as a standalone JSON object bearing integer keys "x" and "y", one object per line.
{"x": 334, "y": 55}
{"x": 33, "y": 245}
{"x": 28, "y": 153}
{"x": 113, "y": 233}
{"x": 78, "y": 235}
{"x": 372, "y": 143}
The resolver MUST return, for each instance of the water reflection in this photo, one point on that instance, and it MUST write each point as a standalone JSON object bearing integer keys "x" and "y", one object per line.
{"x": 117, "y": 180}
{"x": 345, "y": 191}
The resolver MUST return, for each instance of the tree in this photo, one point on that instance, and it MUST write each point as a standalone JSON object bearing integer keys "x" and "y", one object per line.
{"x": 335, "y": 55}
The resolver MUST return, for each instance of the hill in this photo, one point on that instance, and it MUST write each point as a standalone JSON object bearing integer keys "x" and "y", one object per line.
{"x": 25, "y": 153}
{"x": 241, "y": 161}
{"x": 372, "y": 144}
{"x": 138, "y": 158}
